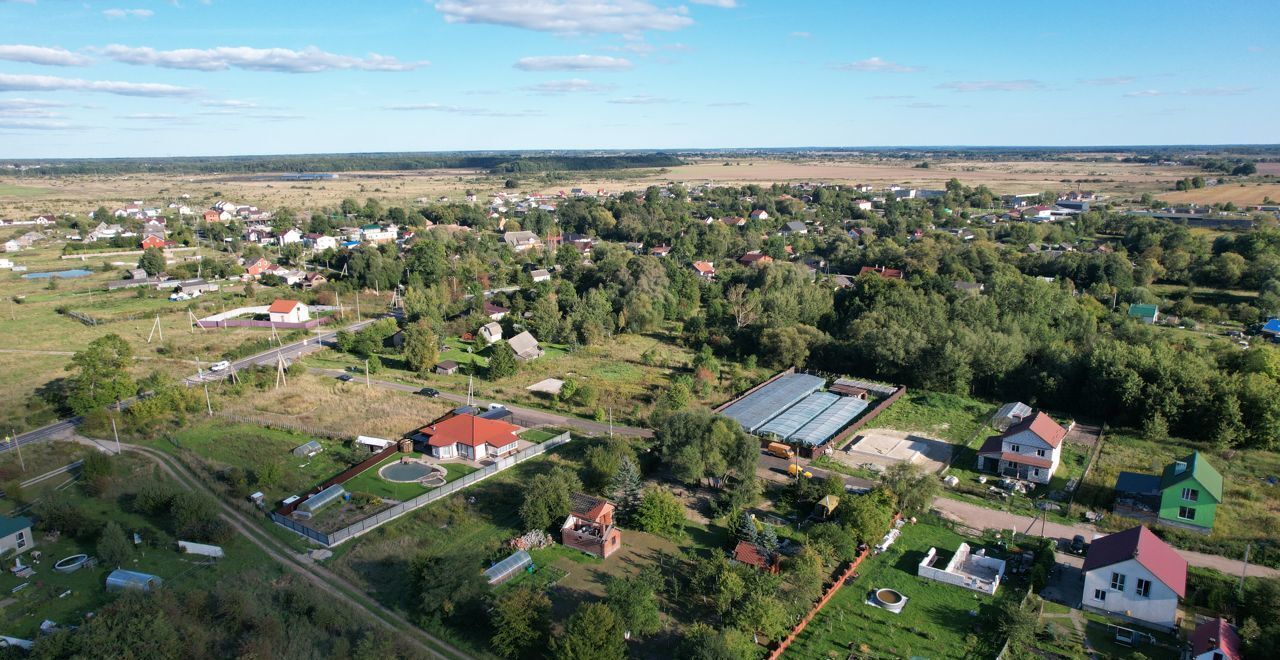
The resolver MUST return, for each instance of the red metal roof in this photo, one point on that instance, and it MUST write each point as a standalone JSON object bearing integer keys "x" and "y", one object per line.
{"x": 471, "y": 431}
{"x": 1216, "y": 635}
{"x": 1043, "y": 426}
{"x": 882, "y": 271}
{"x": 749, "y": 553}
{"x": 282, "y": 306}
{"x": 1141, "y": 544}
{"x": 704, "y": 267}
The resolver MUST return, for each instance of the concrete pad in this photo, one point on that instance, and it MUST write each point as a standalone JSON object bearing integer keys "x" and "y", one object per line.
{"x": 885, "y": 447}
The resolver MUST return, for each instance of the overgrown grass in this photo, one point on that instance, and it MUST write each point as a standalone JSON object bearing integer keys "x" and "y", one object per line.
{"x": 951, "y": 417}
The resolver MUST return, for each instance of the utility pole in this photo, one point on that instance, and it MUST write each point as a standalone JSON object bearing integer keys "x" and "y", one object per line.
{"x": 366, "y": 373}
{"x": 1245, "y": 566}
{"x": 200, "y": 373}
{"x": 358, "y": 318}
{"x": 18, "y": 445}
{"x": 116, "y": 434}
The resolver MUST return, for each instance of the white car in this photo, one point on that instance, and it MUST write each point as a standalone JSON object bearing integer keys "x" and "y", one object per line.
{"x": 219, "y": 366}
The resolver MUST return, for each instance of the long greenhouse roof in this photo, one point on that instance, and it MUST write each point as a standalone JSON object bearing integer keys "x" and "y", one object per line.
{"x": 798, "y": 415}
{"x": 830, "y": 421}
{"x": 518, "y": 560}
{"x": 756, "y": 409}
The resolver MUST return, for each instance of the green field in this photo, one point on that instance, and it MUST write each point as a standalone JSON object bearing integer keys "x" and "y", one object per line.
{"x": 9, "y": 190}
{"x": 936, "y": 622}
{"x": 370, "y": 483}
{"x": 951, "y": 417}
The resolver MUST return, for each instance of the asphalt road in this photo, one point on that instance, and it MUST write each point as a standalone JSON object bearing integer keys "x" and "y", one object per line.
{"x": 289, "y": 352}
{"x": 532, "y": 415}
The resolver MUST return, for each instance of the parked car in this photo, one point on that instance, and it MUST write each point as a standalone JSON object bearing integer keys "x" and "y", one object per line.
{"x": 344, "y": 377}
{"x": 220, "y": 365}
{"x": 429, "y": 392}
{"x": 1078, "y": 545}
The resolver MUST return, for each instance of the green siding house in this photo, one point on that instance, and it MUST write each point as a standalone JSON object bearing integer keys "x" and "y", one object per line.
{"x": 1144, "y": 313}
{"x": 1190, "y": 491}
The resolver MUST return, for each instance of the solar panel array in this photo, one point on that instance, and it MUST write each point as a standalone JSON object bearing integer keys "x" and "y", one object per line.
{"x": 756, "y": 409}
{"x": 798, "y": 415}
{"x": 830, "y": 421}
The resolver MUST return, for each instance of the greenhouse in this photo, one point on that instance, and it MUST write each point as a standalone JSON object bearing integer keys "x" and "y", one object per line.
{"x": 122, "y": 580}
{"x": 798, "y": 415}
{"x": 507, "y": 568}
{"x": 757, "y": 408}
{"x": 829, "y": 422}
{"x": 322, "y": 499}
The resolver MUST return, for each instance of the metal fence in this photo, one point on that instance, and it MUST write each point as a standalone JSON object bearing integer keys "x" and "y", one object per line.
{"x": 360, "y": 527}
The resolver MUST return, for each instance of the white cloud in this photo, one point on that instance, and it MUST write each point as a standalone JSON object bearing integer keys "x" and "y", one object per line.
{"x": 459, "y": 109}
{"x": 35, "y": 125}
{"x": 1145, "y": 92}
{"x": 992, "y": 86}
{"x": 229, "y": 103}
{"x": 128, "y": 13}
{"x": 640, "y": 99}
{"x": 21, "y": 83}
{"x": 23, "y": 105}
{"x": 723, "y": 4}
{"x": 877, "y": 65}
{"x": 1199, "y": 91}
{"x": 572, "y": 63}
{"x": 800, "y": 35}
{"x": 568, "y": 16}
{"x": 283, "y": 60}
{"x": 41, "y": 55}
{"x": 1109, "y": 80}
{"x": 574, "y": 85}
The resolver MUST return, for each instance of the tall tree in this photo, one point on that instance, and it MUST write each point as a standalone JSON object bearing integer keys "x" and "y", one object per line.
{"x": 634, "y": 599}
{"x": 102, "y": 375}
{"x": 152, "y": 261}
{"x": 502, "y": 362}
{"x": 521, "y": 622}
{"x": 421, "y": 347}
{"x": 592, "y": 633}
{"x": 627, "y": 488}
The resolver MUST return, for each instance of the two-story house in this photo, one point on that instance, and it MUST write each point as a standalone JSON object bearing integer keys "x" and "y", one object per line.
{"x": 1185, "y": 495}
{"x": 1135, "y": 575}
{"x": 1030, "y": 449}
{"x": 589, "y": 526}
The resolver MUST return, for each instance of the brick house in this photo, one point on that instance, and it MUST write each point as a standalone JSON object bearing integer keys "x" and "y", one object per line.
{"x": 590, "y": 527}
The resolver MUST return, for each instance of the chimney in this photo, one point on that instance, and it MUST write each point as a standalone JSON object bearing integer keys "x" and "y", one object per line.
{"x": 1179, "y": 467}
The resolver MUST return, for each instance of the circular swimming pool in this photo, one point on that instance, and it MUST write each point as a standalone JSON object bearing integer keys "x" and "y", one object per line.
{"x": 405, "y": 472}
{"x": 70, "y": 564}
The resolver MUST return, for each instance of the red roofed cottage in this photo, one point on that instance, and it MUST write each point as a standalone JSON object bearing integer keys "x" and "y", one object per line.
{"x": 288, "y": 311}
{"x": 1135, "y": 575}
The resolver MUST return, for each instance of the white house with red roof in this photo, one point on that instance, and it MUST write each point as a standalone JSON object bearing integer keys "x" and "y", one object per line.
{"x": 1216, "y": 640}
{"x": 1135, "y": 575}
{"x": 705, "y": 269}
{"x": 288, "y": 311}
{"x": 471, "y": 437}
{"x": 1030, "y": 449}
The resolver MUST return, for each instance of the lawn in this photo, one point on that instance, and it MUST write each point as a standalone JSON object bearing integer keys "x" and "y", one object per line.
{"x": 370, "y": 483}
{"x": 1250, "y": 511}
{"x": 951, "y": 417}
{"x": 936, "y": 622}
{"x": 539, "y": 436}
{"x": 67, "y": 598}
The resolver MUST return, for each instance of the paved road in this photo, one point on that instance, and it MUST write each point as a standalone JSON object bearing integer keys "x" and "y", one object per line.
{"x": 290, "y": 352}
{"x": 529, "y": 414}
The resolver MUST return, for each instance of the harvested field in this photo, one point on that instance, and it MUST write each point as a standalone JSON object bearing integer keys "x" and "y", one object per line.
{"x": 1248, "y": 194}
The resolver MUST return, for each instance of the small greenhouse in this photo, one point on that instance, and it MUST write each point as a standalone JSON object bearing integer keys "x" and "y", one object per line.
{"x": 309, "y": 449}
{"x": 322, "y": 499}
{"x": 122, "y": 580}
{"x": 507, "y": 568}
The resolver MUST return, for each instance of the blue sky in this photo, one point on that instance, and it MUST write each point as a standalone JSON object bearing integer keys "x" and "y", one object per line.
{"x": 222, "y": 77}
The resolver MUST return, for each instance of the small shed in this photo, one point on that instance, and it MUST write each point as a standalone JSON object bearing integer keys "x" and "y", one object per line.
{"x": 371, "y": 443}
{"x": 507, "y": 568}
{"x": 827, "y": 505}
{"x": 204, "y": 550}
{"x": 309, "y": 449}
{"x": 491, "y": 332}
{"x": 1144, "y": 313}
{"x": 446, "y": 367}
{"x": 122, "y": 580}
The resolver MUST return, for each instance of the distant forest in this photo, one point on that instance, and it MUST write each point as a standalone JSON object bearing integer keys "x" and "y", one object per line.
{"x": 505, "y": 163}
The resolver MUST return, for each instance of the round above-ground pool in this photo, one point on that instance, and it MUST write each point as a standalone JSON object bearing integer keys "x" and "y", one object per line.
{"x": 405, "y": 472}
{"x": 70, "y": 564}
{"x": 890, "y": 599}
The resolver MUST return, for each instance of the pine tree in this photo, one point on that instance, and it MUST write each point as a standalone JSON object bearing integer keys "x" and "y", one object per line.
{"x": 768, "y": 540}
{"x": 113, "y": 546}
{"x": 746, "y": 530}
{"x": 626, "y": 488}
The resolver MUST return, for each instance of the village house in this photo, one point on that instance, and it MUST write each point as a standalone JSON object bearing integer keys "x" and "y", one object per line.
{"x": 882, "y": 271}
{"x": 151, "y": 241}
{"x": 539, "y": 275}
{"x": 320, "y": 242}
{"x": 521, "y": 241}
{"x": 660, "y": 251}
{"x": 494, "y": 312}
{"x": 288, "y": 311}
{"x": 1145, "y": 313}
{"x": 734, "y": 221}
{"x": 291, "y": 236}
{"x": 256, "y": 268}
{"x": 794, "y": 228}
{"x": 1135, "y": 575}
{"x": 446, "y": 367}
{"x": 1186, "y": 494}
{"x": 705, "y": 270}
{"x": 1215, "y": 639}
{"x": 759, "y": 214}
{"x": 1030, "y": 450}
{"x": 752, "y": 555}
{"x": 755, "y": 257}
{"x": 525, "y": 347}
{"x": 589, "y": 526}
{"x": 15, "y": 535}
{"x": 374, "y": 233}
{"x": 491, "y": 332}
{"x": 469, "y": 437}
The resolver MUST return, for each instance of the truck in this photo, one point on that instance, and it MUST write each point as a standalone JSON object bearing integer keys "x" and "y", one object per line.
{"x": 780, "y": 450}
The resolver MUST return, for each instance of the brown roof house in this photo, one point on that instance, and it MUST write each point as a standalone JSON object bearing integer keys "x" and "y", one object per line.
{"x": 589, "y": 527}
{"x": 525, "y": 346}
{"x": 753, "y": 555}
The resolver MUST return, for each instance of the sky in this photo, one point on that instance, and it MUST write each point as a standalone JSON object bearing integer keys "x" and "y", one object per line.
{"x": 223, "y": 77}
